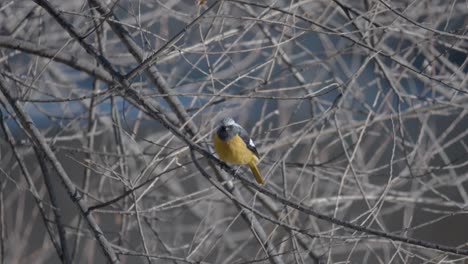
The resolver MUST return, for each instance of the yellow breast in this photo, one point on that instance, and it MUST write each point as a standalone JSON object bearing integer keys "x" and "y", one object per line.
{"x": 233, "y": 150}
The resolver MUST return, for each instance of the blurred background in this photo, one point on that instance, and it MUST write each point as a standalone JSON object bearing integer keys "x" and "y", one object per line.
{"x": 358, "y": 110}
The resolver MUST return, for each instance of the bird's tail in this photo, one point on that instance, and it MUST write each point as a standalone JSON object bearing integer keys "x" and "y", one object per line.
{"x": 258, "y": 176}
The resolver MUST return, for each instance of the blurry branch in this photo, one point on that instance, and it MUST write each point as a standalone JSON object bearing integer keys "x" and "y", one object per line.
{"x": 233, "y": 194}
{"x": 125, "y": 251}
{"x": 180, "y": 124}
{"x": 152, "y": 109}
{"x": 134, "y": 189}
{"x": 433, "y": 105}
{"x": 165, "y": 248}
{"x": 91, "y": 129}
{"x": 437, "y": 32}
{"x": 23, "y": 119}
{"x": 64, "y": 255}
{"x": 347, "y": 9}
{"x": 373, "y": 209}
{"x": 309, "y": 211}
{"x": 32, "y": 188}
{"x": 77, "y": 63}
{"x": 304, "y": 209}
{"x": 134, "y": 49}
{"x": 154, "y": 75}
{"x": 2, "y": 222}
{"x": 164, "y": 119}
{"x": 374, "y": 51}
{"x": 221, "y": 95}
{"x": 173, "y": 101}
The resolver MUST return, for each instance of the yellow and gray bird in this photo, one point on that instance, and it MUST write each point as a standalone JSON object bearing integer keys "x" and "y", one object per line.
{"x": 233, "y": 145}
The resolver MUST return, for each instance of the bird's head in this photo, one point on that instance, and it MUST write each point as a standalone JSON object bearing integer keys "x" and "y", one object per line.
{"x": 228, "y": 128}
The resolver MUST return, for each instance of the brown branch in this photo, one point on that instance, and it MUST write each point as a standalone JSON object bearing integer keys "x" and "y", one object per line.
{"x": 23, "y": 119}
{"x": 75, "y": 62}
{"x": 65, "y": 252}
{"x": 32, "y": 188}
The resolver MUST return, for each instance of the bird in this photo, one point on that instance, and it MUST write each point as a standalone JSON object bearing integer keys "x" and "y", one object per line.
{"x": 233, "y": 145}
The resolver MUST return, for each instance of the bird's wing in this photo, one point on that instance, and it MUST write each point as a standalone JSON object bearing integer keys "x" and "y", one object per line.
{"x": 248, "y": 141}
